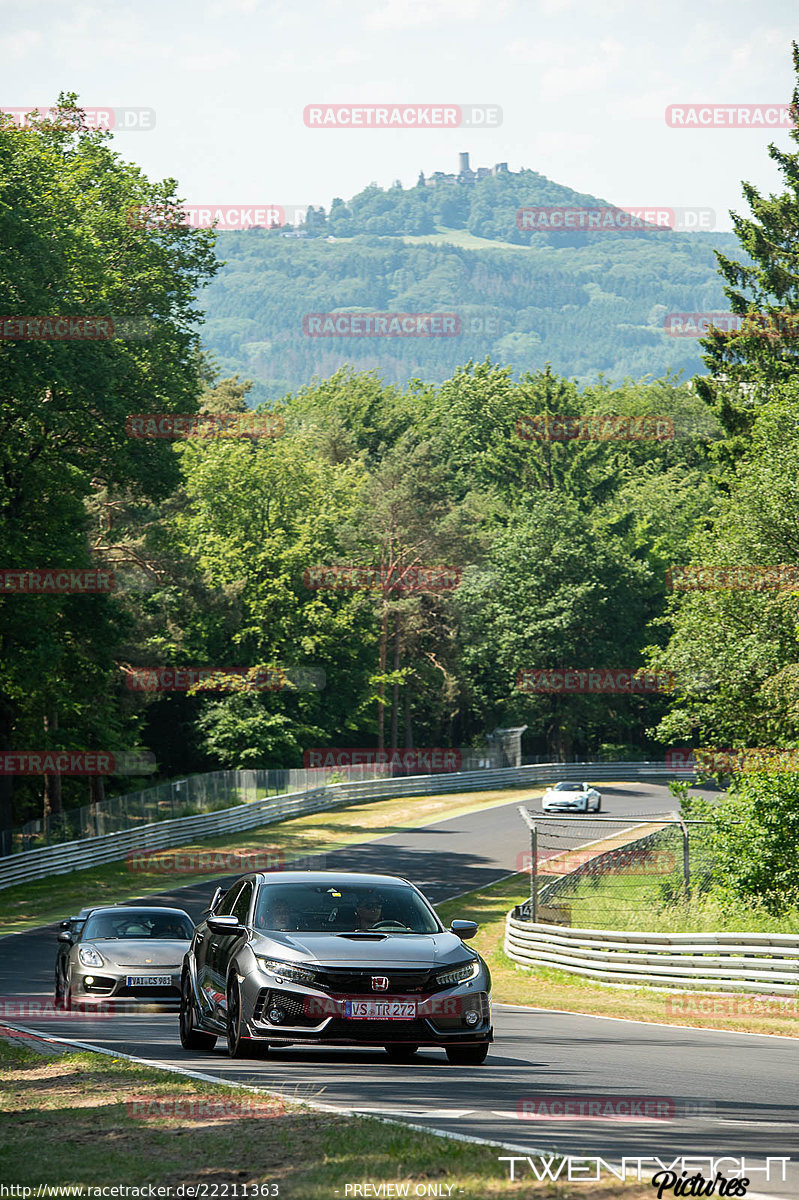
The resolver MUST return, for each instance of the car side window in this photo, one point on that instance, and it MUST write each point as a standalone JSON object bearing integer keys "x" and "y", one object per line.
{"x": 225, "y": 908}
{"x": 241, "y": 909}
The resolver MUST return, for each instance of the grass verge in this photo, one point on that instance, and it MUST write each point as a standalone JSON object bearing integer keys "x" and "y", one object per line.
{"x": 547, "y": 988}
{"x": 46, "y": 900}
{"x": 71, "y": 1120}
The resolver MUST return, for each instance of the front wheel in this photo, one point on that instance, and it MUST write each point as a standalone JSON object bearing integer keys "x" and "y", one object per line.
{"x": 467, "y": 1056}
{"x": 59, "y": 991}
{"x": 400, "y": 1053}
{"x": 598, "y": 805}
{"x": 191, "y": 1038}
{"x": 238, "y": 1046}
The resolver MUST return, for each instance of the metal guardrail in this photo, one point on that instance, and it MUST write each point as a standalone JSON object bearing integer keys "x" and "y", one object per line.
{"x": 88, "y": 852}
{"x": 737, "y": 962}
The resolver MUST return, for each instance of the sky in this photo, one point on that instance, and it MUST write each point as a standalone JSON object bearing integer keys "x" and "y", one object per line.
{"x": 582, "y": 87}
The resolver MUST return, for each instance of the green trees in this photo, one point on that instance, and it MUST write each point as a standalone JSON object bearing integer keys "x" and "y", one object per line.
{"x": 69, "y": 248}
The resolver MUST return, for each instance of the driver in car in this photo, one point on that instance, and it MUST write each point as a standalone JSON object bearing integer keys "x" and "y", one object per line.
{"x": 369, "y": 911}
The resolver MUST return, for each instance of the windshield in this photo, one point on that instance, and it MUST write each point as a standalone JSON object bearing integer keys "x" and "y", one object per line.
{"x": 343, "y": 908}
{"x": 138, "y": 923}
{"x": 568, "y": 787}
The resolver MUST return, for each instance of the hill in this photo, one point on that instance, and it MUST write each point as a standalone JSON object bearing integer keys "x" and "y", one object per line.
{"x": 587, "y": 302}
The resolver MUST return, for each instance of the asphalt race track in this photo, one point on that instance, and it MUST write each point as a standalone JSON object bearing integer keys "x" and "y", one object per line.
{"x": 734, "y": 1095}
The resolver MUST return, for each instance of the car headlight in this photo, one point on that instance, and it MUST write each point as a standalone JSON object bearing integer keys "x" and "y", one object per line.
{"x": 458, "y": 974}
{"x": 89, "y": 957}
{"x": 288, "y": 971}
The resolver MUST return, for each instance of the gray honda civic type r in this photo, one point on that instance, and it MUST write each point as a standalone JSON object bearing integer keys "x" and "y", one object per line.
{"x": 333, "y": 959}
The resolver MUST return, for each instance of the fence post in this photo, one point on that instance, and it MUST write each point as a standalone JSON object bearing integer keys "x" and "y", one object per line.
{"x": 533, "y": 873}
{"x": 686, "y": 858}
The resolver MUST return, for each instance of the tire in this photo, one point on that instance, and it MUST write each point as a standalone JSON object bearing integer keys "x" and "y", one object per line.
{"x": 68, "y": 1004}
{"x": 191, "y": 1038}
{"x": 400, "y": 1053}
{"x": 598, "y": 805}
{"x": 237, "y": 1045}
{"x": 467, "y": 1056}
{"x": 60, "y": 1001}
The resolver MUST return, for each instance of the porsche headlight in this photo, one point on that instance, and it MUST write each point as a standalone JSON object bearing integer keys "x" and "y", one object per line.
{"x": 458, "y": 974}
{"x": 89, "y": 956}
{"x": 290, "y": 971}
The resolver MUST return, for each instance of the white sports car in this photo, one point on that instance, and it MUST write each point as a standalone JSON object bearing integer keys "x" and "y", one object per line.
{"x": 572, "y": 797}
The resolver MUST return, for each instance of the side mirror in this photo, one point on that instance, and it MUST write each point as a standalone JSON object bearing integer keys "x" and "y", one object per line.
{"x": 464, "y": 929}
{"x": 66, "y": 937}
{"x": 227, "y": 925}
{"x": 64, "y": 925}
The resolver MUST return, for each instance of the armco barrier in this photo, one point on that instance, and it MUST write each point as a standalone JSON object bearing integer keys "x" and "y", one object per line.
{"x": 163, "y": 835}
{"x": 729, "y": 962}
{"x": 724, "y": 962}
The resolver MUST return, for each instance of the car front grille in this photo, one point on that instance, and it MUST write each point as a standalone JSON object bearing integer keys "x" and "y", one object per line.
{"x": 379, "y": 1031}
{"x": 359, "y": 983}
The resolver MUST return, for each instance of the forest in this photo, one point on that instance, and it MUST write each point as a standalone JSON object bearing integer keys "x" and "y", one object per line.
{"x": 525, "y": 553}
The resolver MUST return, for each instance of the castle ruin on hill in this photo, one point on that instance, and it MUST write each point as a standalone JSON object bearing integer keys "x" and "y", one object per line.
{"x": 465, "y": 173}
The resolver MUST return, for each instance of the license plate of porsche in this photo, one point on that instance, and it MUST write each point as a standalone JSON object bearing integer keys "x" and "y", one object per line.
{"x": 149, "y": 980}
{"x": 380, "y": 1010}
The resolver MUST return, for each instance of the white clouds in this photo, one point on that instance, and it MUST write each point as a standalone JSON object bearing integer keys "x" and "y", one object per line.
{"x": 569, "y": 68}
{"x": 411, "y": 14}
{"x": 18, "y": 45}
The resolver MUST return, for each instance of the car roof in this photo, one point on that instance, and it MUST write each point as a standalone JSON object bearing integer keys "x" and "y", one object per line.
{"x": 321, "y": 877}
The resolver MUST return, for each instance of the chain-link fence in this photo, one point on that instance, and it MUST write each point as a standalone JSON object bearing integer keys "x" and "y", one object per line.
{"x": 196, "y": 794}
{"x": 612, "y": 872}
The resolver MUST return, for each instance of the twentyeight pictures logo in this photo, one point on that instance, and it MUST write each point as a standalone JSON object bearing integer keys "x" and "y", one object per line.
{"x": 402, "y": 116}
